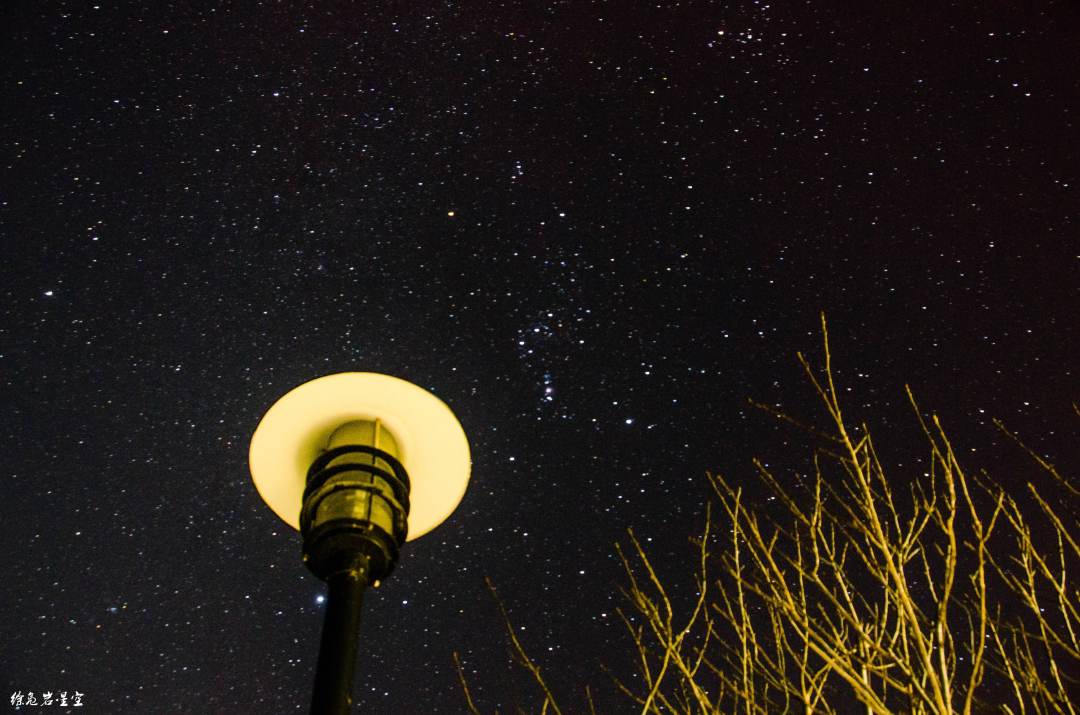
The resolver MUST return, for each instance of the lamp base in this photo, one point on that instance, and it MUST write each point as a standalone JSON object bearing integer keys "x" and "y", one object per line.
{"x": 335, "y": 546}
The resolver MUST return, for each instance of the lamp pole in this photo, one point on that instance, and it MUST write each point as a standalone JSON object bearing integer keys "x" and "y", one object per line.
{"x": 330, "y": 459}
{"x": 337, "y": 649}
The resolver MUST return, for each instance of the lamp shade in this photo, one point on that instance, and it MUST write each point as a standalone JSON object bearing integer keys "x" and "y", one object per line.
{"x": 431, "y": 444}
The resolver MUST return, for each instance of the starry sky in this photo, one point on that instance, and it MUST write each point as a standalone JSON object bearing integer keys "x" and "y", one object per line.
{"x": 594, "y": 229}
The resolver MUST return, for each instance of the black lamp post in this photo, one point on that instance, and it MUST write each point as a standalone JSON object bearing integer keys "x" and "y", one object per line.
{"x": 330, "y": 459}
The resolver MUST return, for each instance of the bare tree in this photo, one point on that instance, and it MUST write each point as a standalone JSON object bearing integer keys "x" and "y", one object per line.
{"x": 943, "y": 597}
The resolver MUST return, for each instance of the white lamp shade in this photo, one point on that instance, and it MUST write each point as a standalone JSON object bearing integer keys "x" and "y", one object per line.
{"x": 294, "y": 431}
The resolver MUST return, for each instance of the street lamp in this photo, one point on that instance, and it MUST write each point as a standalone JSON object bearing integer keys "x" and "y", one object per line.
{"x": 359, "y": 463}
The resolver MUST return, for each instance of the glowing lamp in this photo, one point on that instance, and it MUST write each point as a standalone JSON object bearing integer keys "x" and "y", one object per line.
{"x": 359, "y": 463}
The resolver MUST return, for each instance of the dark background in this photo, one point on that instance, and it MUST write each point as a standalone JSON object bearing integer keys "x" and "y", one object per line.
{"x": 206, "y": 204}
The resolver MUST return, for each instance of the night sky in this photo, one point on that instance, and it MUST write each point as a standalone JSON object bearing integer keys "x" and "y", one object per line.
{"x": 594, "y": 229}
